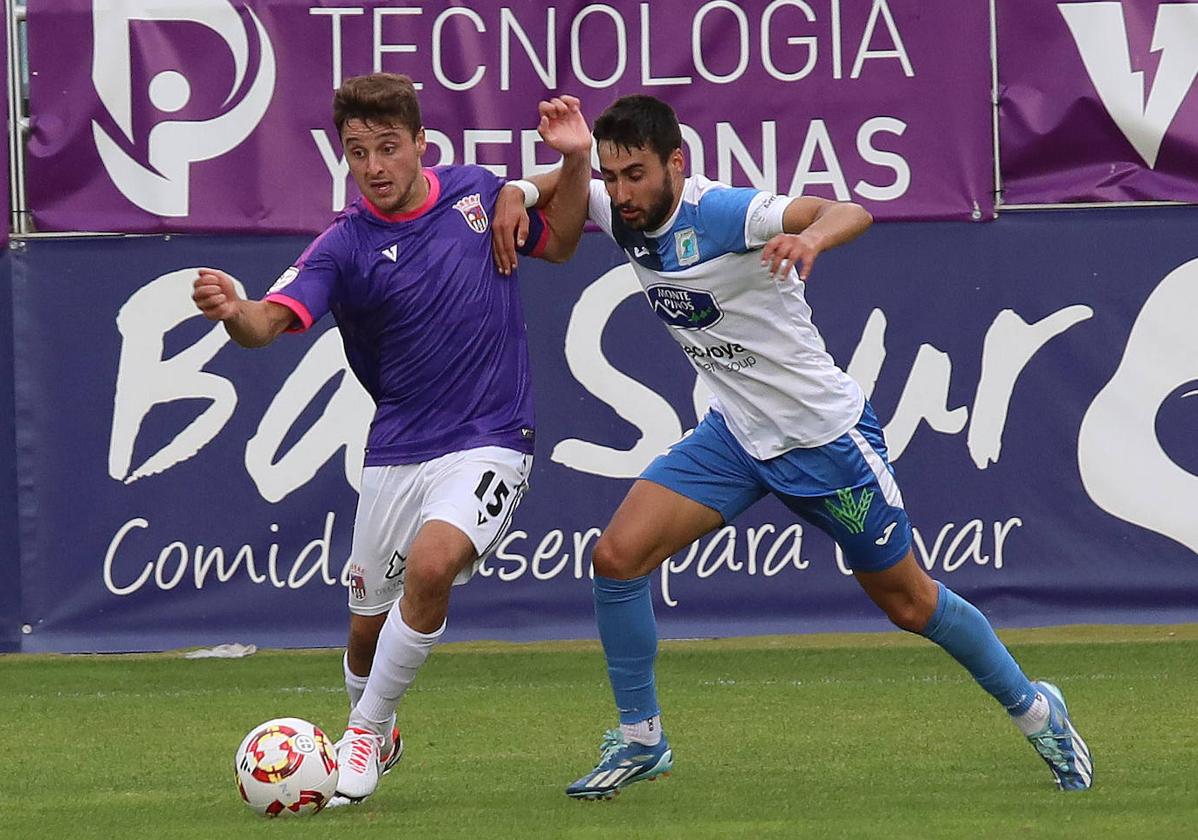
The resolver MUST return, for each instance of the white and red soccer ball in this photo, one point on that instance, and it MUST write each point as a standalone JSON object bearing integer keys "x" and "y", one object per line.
{"x": 286, "y": 767}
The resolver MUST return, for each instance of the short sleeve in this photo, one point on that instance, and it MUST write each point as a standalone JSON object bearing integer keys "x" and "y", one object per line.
{"x": 599, "y": 207}
{"x": 764, "y": 219}
{"x": 307, "y": 288}
{"x": 725, "y": 212}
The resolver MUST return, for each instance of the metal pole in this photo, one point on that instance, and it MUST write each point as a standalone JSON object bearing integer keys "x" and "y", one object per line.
{"x": 994, "y": 104}
{"x": 18, "y": 121}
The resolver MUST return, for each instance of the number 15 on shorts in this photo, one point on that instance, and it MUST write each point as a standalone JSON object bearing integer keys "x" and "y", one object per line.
{"x": 492, "y": 494}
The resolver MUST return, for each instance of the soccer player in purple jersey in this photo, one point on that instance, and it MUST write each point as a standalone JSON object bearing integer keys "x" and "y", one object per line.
{"x": 725, "y": 267}
{"x": 435, "y": 333}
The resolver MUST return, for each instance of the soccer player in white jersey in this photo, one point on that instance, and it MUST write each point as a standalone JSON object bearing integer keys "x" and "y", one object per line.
{"x": 725, "y": 268}
{"x": 435, "y": 333}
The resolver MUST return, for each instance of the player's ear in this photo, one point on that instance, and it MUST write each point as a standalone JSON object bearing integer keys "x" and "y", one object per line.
{"x": 421, "y": 143}
{"x": 676, "y": 163}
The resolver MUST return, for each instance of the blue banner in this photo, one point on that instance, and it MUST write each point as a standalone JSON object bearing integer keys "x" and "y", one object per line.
{"x": 1036, "y": 378}
{"x": 10, "y": 567}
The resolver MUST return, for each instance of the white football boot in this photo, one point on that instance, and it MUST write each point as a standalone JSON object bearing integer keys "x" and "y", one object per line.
{"x": 360, "y": 764}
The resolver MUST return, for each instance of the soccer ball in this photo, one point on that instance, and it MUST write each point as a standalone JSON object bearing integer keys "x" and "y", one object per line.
{"x": 286, "y": 767}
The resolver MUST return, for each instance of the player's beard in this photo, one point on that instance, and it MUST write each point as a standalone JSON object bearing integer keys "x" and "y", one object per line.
{"x": 403, "y": 197}
{"x": 656, "y": 213}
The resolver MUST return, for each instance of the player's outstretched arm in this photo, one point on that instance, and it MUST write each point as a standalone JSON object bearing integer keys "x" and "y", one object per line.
{"x": 811, "y": 226}
{"x": 251, "y": 323}
{"x": 565, "y": 130}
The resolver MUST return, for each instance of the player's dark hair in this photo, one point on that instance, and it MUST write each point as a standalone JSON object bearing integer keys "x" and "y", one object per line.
{"x": 640, "y": 122}
{"x": 386, "y": 98}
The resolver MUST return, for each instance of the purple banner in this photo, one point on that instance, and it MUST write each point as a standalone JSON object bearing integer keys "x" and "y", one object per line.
{"x": 5, "y": 171}
{"x": 1097, "y": 101}
{"x": 178, "y": 490}
{"x": 213, "y": 115}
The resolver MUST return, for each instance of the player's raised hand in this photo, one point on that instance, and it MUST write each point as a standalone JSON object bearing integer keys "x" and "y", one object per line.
{"x": 562, "y": 126}
{"x": 215, "y": 295}
{"x": 786, "y": 251}
{"x": 509, "y": 228}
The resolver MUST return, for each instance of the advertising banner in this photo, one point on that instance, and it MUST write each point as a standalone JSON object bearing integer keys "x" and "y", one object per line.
{"x": 10, "y": 545}
{"x": 1037, "y": 382}
{"x": 214, "y": 115}
{"x": 1097, "y": 101}
{"x": 5, "y": 173}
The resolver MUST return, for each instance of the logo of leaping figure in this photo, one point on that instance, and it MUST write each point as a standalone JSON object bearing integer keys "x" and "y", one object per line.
{"x": 163, "y": 187}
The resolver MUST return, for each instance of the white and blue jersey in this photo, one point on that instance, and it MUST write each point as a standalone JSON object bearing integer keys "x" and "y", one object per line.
{"x": 750, "y": 337}
{"x": 787, "y": 420}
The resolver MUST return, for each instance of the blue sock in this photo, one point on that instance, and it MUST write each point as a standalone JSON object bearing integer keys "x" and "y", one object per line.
{"x": 628, "y": 630}
{"x": 959, "y": 628}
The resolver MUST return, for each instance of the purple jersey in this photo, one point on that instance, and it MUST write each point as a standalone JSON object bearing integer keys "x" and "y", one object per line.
{"x": 431, "y": 328}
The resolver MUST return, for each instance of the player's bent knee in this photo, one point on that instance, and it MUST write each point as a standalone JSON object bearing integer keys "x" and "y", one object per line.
{"x": 611, "y": 561}
{"x": 909, "y": 615}
{"x": 430, "y": 578}
{"x": 603, "y": 559}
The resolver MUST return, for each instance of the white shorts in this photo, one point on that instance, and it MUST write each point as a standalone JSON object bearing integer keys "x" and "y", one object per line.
{"x": 476, "y": 491}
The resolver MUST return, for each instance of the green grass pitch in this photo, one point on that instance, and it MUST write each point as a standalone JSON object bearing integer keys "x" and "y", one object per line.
{"x": 863, "y": 736}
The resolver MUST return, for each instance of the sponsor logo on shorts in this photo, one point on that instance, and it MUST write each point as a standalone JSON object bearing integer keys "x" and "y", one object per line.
{"x": 885, "y": 538}
{"x": 688, "y": 309}
{"x": 850, "y": 511}
{"x": 395, "y": 566}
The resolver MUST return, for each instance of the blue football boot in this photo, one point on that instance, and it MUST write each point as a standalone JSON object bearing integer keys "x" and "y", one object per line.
{"x": 620, "y": 764}
{"x": 1060, "y": 746}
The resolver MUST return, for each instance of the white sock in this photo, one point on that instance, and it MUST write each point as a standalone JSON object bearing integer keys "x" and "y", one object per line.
{"x": 400, "y": 653}
{"x": 647, "y": 732}
{"x": 354, "y": 684}
{"x": 1035, "y": 718}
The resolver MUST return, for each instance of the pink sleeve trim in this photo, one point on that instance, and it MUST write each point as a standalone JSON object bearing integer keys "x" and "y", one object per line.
{"x": 543, "y": 241}
{"x": 301, "y": 312}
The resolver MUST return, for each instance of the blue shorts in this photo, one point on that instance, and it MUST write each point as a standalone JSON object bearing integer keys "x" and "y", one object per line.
{"x": 845, "y": 488}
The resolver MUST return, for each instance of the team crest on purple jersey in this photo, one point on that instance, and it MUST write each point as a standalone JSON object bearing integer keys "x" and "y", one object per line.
{"x": 471, "y": 208}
